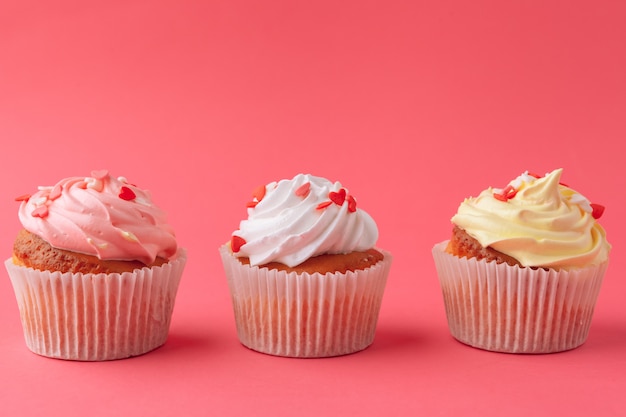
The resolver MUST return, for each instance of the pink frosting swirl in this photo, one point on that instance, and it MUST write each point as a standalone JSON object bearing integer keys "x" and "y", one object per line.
{"x": 99, "y": 215}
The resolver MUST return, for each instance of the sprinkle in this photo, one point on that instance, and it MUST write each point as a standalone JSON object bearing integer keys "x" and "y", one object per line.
{"x": 506, "y": 194}
{"x": 40, "y": 201}
{"x": 304, "y": 190}
{"x": 94, "y": 184}
{"x": 338, "y": 197}
{"x": 100, "y": 174}
{"x": 24, "y": 197}
{"x": 127, "y": 194}
{"x": 236, "y": 243}
{"x": 499, "y": 197}
{"x": 323, "y": 205}
{"x": 56, "y": 192}
{"x": 598, "y": 210}
{"x": 351, "y": 204}
{"x": 41, "y": 212}
{"x": 509, "y": 192}
{"x": 81, "y": 184}
{"x": 259, "y": 193}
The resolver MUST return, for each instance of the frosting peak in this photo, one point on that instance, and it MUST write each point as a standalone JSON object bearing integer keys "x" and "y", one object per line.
{"x": 537, "y": 220}
{"x": 101, "y": 216}
{"x": 293, "y": 220}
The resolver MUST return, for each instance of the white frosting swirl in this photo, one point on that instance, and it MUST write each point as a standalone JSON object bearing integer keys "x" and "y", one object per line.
{"x": 294, "y": 221}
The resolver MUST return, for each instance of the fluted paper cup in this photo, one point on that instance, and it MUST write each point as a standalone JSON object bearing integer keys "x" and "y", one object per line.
{"x": 96, "y": 317}
{"x": 512, "y": 309}
{"x": 305, "y": 315}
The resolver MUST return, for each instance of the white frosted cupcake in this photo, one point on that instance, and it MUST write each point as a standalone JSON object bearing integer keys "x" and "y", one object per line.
{"x": 523, "y": 268}
{"x": 95, "y": 269}
{"x": 305, "y": 277}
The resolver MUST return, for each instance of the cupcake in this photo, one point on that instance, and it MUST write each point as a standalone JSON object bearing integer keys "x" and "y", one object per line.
{"x": 95, "y": 269}
{"x": 523, "y": 268}
{"x": 305, "y": 276}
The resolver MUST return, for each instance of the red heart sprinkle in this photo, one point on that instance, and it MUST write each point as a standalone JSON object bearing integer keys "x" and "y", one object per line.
{"x": 500, "y": 197}
{"x": 323, "y": 205}
{"x": 351, "y": 204}
{"x": 41, "y": 212}
{"x": 598, "y": 210}
{"x": 127, "y": 194}
{"x": 338, "y": 197}
{"x": 100, "y": 174}
{"x": 236, "y": 243}
{"x": 259, "y": 192}
{"x": 251, "y": 204}
{"x": 304, "y": 189}
{"x": 24, "y": 197}
{"x": 509, "y": 192}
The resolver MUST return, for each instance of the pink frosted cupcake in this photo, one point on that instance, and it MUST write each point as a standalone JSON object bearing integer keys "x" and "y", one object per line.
{"x": 305, "y": 277}
{"x": 523, "y": 268}
{"x": 95, "y": 269}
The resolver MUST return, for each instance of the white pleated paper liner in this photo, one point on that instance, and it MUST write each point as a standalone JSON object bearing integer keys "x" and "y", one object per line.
{"x": 305, "y": 315}
{"x": 96, "y": 317}
{"x": 505, "y": 308}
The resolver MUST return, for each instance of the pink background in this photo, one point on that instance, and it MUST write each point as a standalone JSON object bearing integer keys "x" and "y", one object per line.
{"x": 412, "y": 105}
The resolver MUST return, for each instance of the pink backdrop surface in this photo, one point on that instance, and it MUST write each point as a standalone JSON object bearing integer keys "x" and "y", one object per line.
{"x": 412, "y": 105}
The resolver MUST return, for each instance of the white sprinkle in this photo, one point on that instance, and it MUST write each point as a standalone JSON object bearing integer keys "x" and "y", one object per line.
{"x": 94, "y": 184}
{"x": 581, "y": 201}
{"x": 40, "y": 201}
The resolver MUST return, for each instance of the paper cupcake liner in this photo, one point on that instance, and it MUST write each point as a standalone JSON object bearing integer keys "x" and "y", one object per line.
{"x": 505, "y": 308}
{"x": 96, "y": 317}
{"x": 305, "y": 315}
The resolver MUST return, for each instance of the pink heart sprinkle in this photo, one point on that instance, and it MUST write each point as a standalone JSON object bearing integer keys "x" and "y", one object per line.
{"x": 41, "y": 212}
{"x": 323, "y": 205}
{"x": 24, "y": 197}
{"x": 100, "y": 174}
{"x": 56, "y": 192}
{"x": 259, "y": 192}
{"x": 304, "y": 189}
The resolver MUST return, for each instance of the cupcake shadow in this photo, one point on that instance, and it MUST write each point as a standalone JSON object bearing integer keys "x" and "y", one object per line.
{"x": 396, "y": 339}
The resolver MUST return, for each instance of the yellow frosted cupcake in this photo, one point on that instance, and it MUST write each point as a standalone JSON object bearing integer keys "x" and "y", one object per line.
{"x": 305, "y": 277}
{"x": 95, "y": 269}
{"x": 523, "y": 268}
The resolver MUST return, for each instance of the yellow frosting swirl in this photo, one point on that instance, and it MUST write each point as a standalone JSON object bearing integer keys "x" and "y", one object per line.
{"x": 542, "y": 223}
